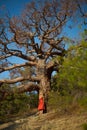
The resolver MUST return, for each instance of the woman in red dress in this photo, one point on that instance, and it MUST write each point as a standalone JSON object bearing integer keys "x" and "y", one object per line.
{"x": 41, "y": 105}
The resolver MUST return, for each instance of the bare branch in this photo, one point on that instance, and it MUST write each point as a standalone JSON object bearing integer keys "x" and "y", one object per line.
{"x": 5, "y": 56}
{"x": 19, "y": 79}
{"x": 21, "y": 55}
{"x": 2, "y": 69}
{"x": 50, "y": 64}
{"x": 20, "y": 89}
{"x": 28, "y": 87}
{"x": 81, "y": 11}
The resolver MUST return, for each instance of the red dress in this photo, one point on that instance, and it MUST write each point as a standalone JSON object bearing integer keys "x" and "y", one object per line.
{"x": 41, "y": 104}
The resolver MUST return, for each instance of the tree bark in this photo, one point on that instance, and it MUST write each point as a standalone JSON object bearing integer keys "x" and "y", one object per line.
{"x": 44, "y": 89}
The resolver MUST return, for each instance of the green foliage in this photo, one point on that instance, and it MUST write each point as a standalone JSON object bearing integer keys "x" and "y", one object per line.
{"x": 83, "y": 101}
{"x": 17, "y": 104}
{"x": 84, "y": 126}
{"x": 33, "y": 100}
{"x": 84, "y": 34}
{"x": 69, "y": 85}
{"x": 73, "y": 72}
{"x": 67, "y": 104}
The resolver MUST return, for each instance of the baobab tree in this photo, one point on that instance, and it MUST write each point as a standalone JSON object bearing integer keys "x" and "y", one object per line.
{"x": 36, "y": 37}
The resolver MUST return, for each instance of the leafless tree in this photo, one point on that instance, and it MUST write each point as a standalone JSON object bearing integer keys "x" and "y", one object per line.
{"x": 35, "y": 37}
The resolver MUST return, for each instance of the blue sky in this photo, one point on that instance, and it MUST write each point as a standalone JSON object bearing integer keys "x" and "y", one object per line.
{"x": 14, "y": 7}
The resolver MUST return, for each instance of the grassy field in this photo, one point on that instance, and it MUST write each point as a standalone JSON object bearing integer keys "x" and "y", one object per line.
{"x": 50, "y": 121}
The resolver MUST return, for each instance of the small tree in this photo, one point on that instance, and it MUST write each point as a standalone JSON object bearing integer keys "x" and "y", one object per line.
{"x": 72, "y": 75}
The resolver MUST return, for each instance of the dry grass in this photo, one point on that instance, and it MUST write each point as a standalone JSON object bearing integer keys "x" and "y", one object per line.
{"x": 49, "y": 121}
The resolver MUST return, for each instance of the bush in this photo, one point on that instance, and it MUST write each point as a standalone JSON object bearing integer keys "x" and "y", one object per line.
{"x": 67, "y": 103}
{"x": 17, "y": 104}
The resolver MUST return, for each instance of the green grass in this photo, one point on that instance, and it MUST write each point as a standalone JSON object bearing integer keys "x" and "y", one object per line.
{"x": 84, "y": 126}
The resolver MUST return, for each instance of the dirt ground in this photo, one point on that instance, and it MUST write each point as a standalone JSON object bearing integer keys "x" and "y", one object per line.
{"x": 49, "y": 121}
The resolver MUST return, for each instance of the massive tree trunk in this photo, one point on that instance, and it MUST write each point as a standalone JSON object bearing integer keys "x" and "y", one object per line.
{"x": 44, "y": 85}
